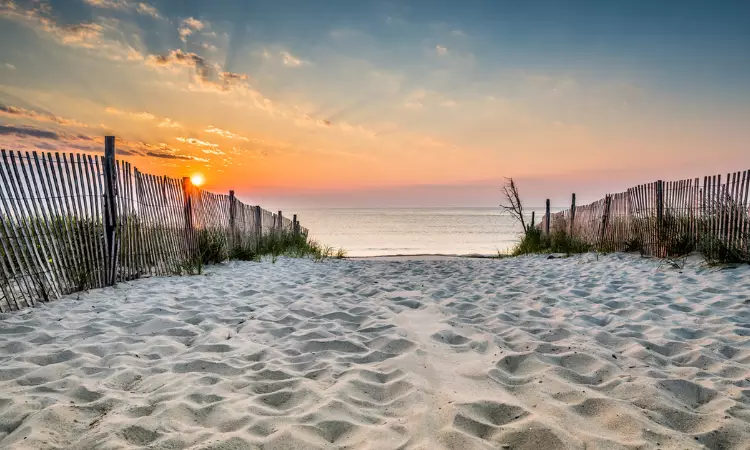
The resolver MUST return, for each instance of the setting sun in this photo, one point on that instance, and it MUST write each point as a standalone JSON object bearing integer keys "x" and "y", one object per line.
{"x": 197, "y": 179}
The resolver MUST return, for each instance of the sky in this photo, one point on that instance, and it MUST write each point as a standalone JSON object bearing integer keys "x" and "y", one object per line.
{"x": 336, "y": 103}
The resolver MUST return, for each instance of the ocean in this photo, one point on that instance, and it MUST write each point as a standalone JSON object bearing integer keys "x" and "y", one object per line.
{"x": 414, "y": 231}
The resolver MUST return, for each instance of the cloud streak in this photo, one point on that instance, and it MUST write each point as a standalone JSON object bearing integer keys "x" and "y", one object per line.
{"x": 165, "y": 122}
{"x": 208, "y": 148}
{"x": 11, "y": 130}
{"x": 21, "y": 113}
{"x": 208, "y": 75}
{"x": 85, "y": 35}
{"x": 225, "y": 133}
{"x": 126, "y": 6}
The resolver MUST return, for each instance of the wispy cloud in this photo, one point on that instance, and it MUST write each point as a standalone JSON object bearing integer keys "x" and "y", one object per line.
{"x": 136, "y": 115}
{"x": 86, "y": 35}
{"x": 148, "y": 10}
{"x": 189, "y": 26}
{"x": 22, "y": 131}
{"x": 9, "y": 66}
{"x": 159, "y": 150}
{"x": 164, "y": 122}
{"x": 108, "y": 4}
{"x": 169, "y": 123}
{"x": 126, "y": 5}
{"x": 225, "y": 133}
{"x": 253, "y": 153}
{"x": 441, "y": 50}
{"x": 33, "y": 139}
{"x": 285, "y": 57}
{"x": 21, "y": 113}
{"x": 291, "y": 60}
{"x": 206, "y": 147}
{"x": 208, "y": 74}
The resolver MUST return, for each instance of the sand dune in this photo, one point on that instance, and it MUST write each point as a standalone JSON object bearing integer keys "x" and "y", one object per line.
{"x": 445, "y": 353}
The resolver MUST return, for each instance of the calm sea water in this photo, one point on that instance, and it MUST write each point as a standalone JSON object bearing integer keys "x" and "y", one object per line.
{"x": 374, "y": 232}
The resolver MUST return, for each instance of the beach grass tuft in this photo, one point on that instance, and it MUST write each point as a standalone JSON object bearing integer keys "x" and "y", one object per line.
{"x": 284, "y": 243}
{"x": 534, "y": 241}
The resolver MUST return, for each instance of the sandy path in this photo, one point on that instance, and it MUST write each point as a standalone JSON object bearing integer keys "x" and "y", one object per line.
{"x": 442, "y": 353}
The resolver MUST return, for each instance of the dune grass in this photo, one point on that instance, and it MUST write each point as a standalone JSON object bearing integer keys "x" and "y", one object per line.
{"x": 534, "y": 241}
{"x": 213, "y": 247}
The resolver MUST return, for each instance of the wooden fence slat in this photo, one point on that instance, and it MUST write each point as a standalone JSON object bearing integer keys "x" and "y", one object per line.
{"x": 74, "y": 216}
{"x": 33, "y": 236}
{"x": 92, "y": 179}
{"x": 42, "y": 223}
{"x": 135, "y": 250}
{"x": 154, "y": 230}
{"x": 21, "y": 231}
{"x": 61, "y": 214}
{"x": 143, "y": 258}
{"x": 86, "y": 241}
{"x": 746, "y": 213}
{"x": 160, "y": 235}
{"x": 179, "y": 244}
{"x": 15, "y": 259}
{"x": 741, "y": 211}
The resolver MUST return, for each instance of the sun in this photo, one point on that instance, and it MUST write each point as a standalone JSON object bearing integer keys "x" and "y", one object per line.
{"x": 197, "y": 179}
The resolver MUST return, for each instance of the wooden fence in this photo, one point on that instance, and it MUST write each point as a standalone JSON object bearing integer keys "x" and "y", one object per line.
{"x": 70, "y": 222}
{"x": 664, "y": 218}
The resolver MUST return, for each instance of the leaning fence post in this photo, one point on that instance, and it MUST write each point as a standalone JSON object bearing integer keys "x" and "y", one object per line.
{"x": 188, "y": 208}
{"x": 110, "y": 209}
{"x": 232, "y": 219}
{"x": 547, "y": 219}
{"x": 572, "y": 213}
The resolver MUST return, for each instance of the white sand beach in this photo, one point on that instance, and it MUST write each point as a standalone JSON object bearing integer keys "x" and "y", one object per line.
{"x": 521, "y": 353}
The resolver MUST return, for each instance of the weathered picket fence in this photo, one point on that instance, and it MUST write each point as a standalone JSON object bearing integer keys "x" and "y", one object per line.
{"x": 663, "y": 218}
{"x": 70, "y": 222}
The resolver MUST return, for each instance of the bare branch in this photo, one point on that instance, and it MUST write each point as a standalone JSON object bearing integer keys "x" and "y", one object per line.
{"x": 512, "y": 204}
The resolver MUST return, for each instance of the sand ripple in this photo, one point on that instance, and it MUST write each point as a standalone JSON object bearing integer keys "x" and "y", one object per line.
{"x": 462, "y": 354}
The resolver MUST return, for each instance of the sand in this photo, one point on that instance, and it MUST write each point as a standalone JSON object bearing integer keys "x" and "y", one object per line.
{"x": 444, "y": 353}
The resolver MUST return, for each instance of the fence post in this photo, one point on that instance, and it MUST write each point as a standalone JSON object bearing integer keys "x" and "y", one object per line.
{"x": 187, "y": 191}
{"x": 295, "y": 225}
{"x": 232, "y": 219}
{"x": 605, "y": 219}
{"x": 533, "y": 214}
{"x": 659, "y": 202}
{"x": 572, "y": 213}
{"x": 110, "y": 209}
{"x": 280, "y": 224}
{"x": 547, "y": 218}
{"x": 258, "y": 224}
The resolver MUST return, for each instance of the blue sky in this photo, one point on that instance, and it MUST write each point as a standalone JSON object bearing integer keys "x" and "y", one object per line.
{"x": 282, "y": 99}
